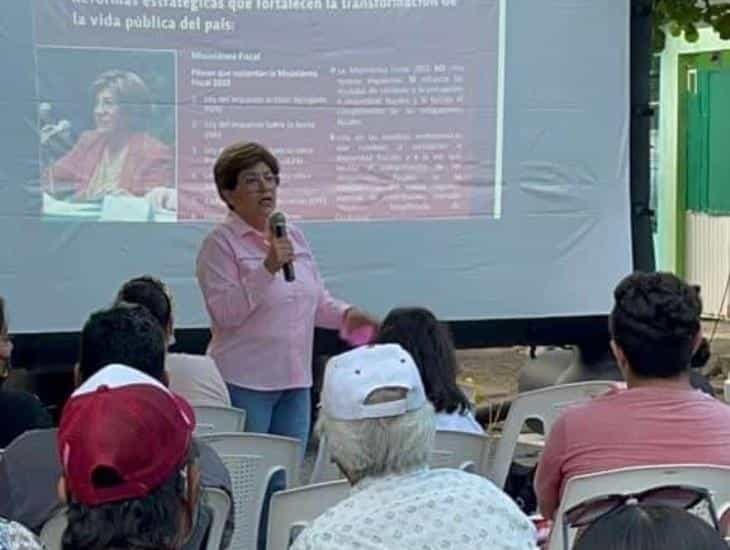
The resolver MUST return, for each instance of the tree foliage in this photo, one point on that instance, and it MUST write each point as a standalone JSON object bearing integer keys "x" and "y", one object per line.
{"x": 684, "y": 17}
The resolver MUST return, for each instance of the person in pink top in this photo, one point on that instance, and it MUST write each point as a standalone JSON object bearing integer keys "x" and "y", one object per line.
{"x": 263, "y": 326}
{"x": 658, "y": 418}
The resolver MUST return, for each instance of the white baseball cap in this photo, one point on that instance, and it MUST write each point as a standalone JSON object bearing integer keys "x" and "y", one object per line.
{"x": 350, "y": 378}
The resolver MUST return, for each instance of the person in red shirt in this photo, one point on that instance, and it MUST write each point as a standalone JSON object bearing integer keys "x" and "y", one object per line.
{"x": 118, "y": 157}
{"x": 659, "y": 418}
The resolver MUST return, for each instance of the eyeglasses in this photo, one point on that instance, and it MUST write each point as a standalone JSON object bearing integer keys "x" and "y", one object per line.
{"x": 251, "y": 180}
{"x": 674, "y": 496}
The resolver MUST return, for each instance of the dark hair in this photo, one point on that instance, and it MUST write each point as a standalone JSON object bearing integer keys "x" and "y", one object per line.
{"x": 127, "y": 334}
{"x": 429, "y": 342}
{"x": 152, "y": 522}
{"x": 655, "y": 321}
{"x": 702, "y": 355}
{"x": 151, "y": 293}
{"x": 638, "y": 527}
{"x": 3, "y": 321}
{"x": 130, "y": 93}
{"x": 236, "y": 158}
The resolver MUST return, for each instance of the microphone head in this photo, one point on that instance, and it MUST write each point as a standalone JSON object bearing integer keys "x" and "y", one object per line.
{"x": 277, "y": 218}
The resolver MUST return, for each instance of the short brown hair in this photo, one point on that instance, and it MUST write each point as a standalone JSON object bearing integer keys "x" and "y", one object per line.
{"x": 237, "y": 157}
{"x": 130, "y": 92}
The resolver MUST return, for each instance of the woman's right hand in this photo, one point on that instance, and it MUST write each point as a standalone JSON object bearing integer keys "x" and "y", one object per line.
{"x": 281, "y": 251}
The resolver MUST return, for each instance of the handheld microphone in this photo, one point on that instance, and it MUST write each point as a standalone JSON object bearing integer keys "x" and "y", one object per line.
{"x": 277, "y": 223}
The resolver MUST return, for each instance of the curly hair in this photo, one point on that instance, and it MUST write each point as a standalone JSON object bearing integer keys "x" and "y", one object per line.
{"x": 655, "y": 321}
{"x": 429, "y": 342}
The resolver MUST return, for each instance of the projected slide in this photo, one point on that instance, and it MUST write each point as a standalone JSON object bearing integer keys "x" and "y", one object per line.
{"x": 372, "y": 117}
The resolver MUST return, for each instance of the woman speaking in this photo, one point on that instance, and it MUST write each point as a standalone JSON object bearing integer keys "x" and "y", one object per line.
{"x": 263, "y": 326}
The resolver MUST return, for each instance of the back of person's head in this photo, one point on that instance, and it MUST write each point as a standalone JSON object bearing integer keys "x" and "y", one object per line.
{"x": 374, "y": 416}
{"x": 429, "y": 343}
{"x": 655, "y": 323}
{"x": 125, "y": 443}
{"x": 125, "y": 334}
{"x": 151, "y": 293}
{"x": 703, "y": 354}
{"x": 638, "y": 527}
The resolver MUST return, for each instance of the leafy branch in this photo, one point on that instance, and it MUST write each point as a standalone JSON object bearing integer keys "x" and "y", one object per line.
{"x": 684, "y": 17}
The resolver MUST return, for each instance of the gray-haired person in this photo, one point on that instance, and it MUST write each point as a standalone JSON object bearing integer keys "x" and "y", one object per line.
{"x": 379, "y": 429}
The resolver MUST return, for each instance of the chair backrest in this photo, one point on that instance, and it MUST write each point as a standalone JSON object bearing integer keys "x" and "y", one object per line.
{"x": 452, "y": 449}
{"x": 715, "y": 479}
{"x": 218, "y": 501}
{"x": 252, "y": 459}
{"x": 53, "y": 528}
{"x": 220, "y": 504}
{"x": 297, "y": 508}
{"x": 470, "y": 450}
{"x": 212, "y": 419}
{"x": 545, "y": 405}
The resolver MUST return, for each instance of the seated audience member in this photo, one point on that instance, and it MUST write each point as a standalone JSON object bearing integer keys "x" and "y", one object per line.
{"x": 195, "y": 377}
{"x": 659, "y": 418}
{"x": 20, "y": 411}
{"x": 379, "y": 429}
{"x": 638, "y": 527}
{"x": 130, "y": 477}
{"x": 429, "y": 343}
{"x": 14, "y": 536}
{"x": 127, "y": 335}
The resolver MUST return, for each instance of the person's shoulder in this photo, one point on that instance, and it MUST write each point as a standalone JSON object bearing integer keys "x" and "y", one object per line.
{"x": 20, "y": 401}
{"x": 220, "y": 234}
{"x": 17, "y": 536}
{"x": 188, "y": 361}
{"x": 296, "y": 234}
{"x": 295, "y": 231}
{"x": 213, "y": 473}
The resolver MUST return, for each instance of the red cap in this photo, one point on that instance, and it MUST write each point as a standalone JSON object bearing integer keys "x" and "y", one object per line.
{"x": 127, "y": 423}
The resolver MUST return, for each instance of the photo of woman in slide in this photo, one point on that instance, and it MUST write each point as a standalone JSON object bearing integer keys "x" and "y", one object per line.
{"x": 119, "y": 156}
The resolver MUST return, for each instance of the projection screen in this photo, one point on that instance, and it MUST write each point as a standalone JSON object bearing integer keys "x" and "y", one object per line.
{"x": 471, "y": 156}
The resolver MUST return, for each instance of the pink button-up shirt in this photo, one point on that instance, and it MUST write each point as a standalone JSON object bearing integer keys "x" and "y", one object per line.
{"x": 262, "y": 326}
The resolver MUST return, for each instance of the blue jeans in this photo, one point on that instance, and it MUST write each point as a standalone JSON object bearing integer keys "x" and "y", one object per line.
{"x": 285, "y": 412}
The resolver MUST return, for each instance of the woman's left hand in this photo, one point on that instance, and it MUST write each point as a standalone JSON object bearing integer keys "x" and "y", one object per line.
{"x": 359, "y": 327}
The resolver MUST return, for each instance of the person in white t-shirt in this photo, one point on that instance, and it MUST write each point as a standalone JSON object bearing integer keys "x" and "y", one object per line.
{"x": 418, "y": 331}
{"x": 195, "y": 377}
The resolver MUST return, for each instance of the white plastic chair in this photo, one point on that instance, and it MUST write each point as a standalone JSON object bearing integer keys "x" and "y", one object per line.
{"x": 53, "y": 529}
{"x": 470, "y": 450}
{"x": 218, "y": 501}
{"x": 220, "y": 504}
{"x": 297, "y": 508}
{"x": 715, "y": 479}
{"x": 252, "y": 460}
{"x": 545, "y": 405}
{"x": 212, "y": 419}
